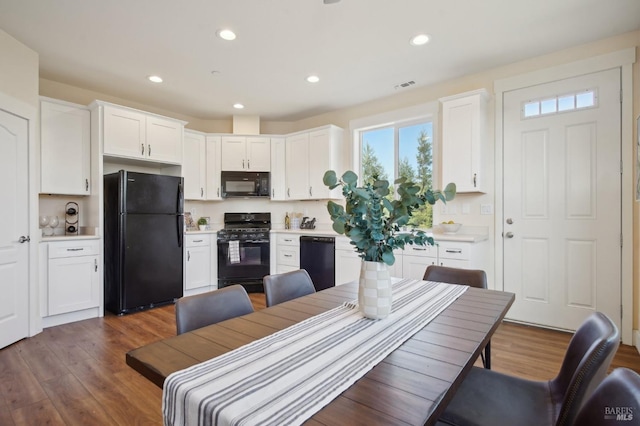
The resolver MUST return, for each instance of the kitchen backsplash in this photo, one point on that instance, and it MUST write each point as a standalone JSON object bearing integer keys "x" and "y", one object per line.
{"x": 215, "y": 210}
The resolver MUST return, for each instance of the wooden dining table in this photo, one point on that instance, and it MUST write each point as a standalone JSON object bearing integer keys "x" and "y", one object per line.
{"x": 412, "y": 385}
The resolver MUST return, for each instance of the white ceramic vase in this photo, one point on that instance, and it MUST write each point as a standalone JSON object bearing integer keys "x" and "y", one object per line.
{"x": 374, "y": 291}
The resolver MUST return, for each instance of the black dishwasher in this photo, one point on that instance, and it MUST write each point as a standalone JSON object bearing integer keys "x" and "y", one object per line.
{"x": 318, "y": 257}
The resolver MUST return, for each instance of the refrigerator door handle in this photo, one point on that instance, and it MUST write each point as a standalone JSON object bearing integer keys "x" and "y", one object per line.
{"x": 180, "y": 222}
{"x": 180, "y": 199}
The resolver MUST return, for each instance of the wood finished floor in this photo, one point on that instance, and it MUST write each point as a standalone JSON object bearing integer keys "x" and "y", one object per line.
{"x": 75, "y": 374}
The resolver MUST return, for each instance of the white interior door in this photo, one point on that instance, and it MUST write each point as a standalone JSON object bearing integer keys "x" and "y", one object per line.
{"x": 562, "y": 200}
{"x": 14, "y": 255}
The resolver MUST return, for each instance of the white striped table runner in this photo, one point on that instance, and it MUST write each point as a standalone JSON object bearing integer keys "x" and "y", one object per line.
{"x": 288, "y": 376}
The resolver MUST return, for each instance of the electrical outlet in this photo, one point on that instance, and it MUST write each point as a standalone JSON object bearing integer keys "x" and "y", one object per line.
{"x": 486, "y": 208}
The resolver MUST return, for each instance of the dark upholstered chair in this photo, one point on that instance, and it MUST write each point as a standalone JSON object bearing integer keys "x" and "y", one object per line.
{"x": 280, "y": 288}
{"x": 486, "y": 397}
{"x": 617, "y": 395}
{"x": 209, "y": 308}
{"x": 472, "y": 278}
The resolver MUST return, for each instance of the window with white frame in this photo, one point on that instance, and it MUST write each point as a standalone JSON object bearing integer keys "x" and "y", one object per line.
{"x": 401, "y": 149}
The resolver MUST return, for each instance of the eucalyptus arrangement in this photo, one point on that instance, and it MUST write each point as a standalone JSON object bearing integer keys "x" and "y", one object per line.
{"x": 373, "y": 221}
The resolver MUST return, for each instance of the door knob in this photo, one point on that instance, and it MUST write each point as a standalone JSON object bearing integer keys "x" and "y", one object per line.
{"x": 508, "y": 234}
{"x": 24, "y": 239}
{"x": 510, "y": 221}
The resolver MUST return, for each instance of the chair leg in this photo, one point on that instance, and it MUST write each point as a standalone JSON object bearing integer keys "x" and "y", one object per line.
{"x": 486, "y": 359}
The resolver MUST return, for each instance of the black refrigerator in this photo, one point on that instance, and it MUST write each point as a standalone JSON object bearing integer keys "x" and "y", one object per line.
{"x": 143, "y": 240}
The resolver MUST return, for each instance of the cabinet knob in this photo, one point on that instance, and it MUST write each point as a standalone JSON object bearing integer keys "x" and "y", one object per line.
{"x": 310, "y": 191}
{"x": 248, "y": 164}
{"x": 202, "y": 192}
{"x": 288, "y": 192}
{"x": 141, "y": 149}
{"x": 86, "y": 185}
{"x": 243, "y": 164}
{"x": 475, "y": 179}
{"x": 149, "y": 151}
{"x": 95, "y": 264}
{"x": 188, "y": 255}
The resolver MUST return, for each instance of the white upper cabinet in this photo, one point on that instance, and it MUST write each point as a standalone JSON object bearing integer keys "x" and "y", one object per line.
{"x": 194, "y": 166}
{"x": 65, "y": 148}
{"x": 164, "y": 140}
{"x": 278, "y": 175}
{"x": 133, "y": 134}
{"x": 246, "y": 153}
{"x": 201, "y": 166}
{"x": 464, "y": 126}
{"x": 297, "y": 166}
{"x": 213, "y": 189}
{"x": 324, "y": 154}
{"x": 125, "y": 132}
{"x": 308, "y": 156}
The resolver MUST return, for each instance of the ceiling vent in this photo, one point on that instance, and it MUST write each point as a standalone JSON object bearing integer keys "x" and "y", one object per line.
{"x": 404, "y": 85}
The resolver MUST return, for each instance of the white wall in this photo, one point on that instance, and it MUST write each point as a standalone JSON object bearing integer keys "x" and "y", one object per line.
{"x": 19, "y": 70}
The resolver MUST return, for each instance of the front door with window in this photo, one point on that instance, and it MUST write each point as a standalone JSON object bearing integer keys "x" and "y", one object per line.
{"x": 562, "y": 200}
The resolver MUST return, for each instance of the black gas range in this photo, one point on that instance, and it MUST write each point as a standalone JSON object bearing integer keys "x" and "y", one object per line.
{"x": 243, "y": 250}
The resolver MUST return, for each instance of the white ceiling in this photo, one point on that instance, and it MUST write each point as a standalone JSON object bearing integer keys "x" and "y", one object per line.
{"x": 359, "y": 48}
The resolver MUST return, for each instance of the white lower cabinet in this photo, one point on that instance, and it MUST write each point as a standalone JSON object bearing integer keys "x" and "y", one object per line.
{"x": 462, "y": 254}
{"x": 73, "y": 276}
{"x": 347, "y": 262}
{"x": 415, "y": 260}
{"x": 197, "y": 264}
{"x": 287, "y": 253}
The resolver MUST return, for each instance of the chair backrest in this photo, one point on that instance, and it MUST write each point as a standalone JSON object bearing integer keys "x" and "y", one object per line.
{"x": 471, "y": 277}
{"x": 615, "y": 401}
{"x": 280, "y": 288}
{"x": 585, "y": 364}
{"x": 209, "y": 308}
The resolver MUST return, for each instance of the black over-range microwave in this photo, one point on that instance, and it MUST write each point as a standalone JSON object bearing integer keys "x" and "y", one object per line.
{"x": 245, "y": 184}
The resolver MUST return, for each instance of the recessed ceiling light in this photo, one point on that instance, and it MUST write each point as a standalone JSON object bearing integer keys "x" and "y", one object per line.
{"x": 227, "y": 35}
{"x": 331, "y": 1}
{"x": 313, "y": 79}
{"x": 155, "y": 78}
{"x": 238, "y": 106}
{"x": 419, "y": 40}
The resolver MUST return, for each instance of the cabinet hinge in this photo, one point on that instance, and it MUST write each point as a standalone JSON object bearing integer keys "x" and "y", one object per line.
{"x": 621, "y": 94}
{"x": 621, "y": 240}
{"x": 621, "y": 166}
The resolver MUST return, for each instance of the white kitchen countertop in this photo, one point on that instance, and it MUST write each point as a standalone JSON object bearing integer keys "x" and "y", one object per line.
{"x": 468, "y": 235}
{"x": 69, "y": 238}
{"x": 208, "y": 231}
